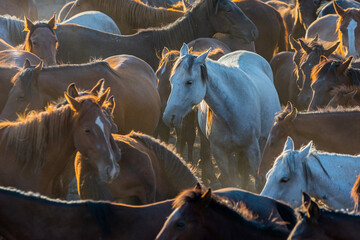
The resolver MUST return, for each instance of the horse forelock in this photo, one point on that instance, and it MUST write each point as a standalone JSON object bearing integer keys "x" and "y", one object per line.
{"x": 323, "y": 67}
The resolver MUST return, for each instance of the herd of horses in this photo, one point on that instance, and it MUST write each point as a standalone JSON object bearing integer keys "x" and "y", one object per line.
{"x": 268, "y": 92}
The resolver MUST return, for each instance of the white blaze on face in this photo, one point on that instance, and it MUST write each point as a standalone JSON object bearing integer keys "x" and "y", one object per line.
{"x": 100, "y": 124}
{"x": 351, "y": 38}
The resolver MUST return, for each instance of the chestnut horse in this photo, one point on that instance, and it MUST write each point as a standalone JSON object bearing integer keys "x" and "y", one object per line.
{"x": 131, "y": 80}
{"x": 150, "y": 172}
{"x": 205, "y": 19}
{"x": 345, "y": 96}
{"x": 41, "y": 40}
{"x": 56, "y": 219}
{"x": 303, "y": 127}
{"x": 19, "y": 8}
{"x": 328, "y": 75}
{"x": 37, "y": 148}
{"x": 320, "y": 223}
{"x": 200, "y": 214}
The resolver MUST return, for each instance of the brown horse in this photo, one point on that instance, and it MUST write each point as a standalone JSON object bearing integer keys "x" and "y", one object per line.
{"x": 43, "y": 218}
{"x": 19, "y": 8}
{"x": 41, "y": 40}
{"x": 316, "y": 126}
{"x": 205, "y": 19}
{"x": 17, "y": 58}
{"x": 328, "y": 75}
{"x": 187, "y": 132}
{"x": 6, "y": 74}
{"x": 200, "y": 214}
{"x": 129, "y": 15}
{"x": 150, "y": 172}
{"x": 345, "y": 96}
{"x": 312, "y": 51}
{"x": 318, "y": 223}
{"x": 132, "y": 81}
{"x": 36, "y": 149}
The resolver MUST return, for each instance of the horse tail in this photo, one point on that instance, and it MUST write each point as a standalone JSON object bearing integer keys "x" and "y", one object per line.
{"x": 283, "y": 43}
{"x": 355, "y": 191}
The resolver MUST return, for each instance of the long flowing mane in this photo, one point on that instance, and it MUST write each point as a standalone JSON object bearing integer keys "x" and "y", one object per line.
{"x": 132, "y": 11}
{"x": 179, "y": 175}
{"x": 15, "y": 28}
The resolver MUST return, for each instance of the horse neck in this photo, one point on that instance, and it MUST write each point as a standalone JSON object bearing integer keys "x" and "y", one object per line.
{"x": 342, "y": 172}
{"x": 340, "y": 226}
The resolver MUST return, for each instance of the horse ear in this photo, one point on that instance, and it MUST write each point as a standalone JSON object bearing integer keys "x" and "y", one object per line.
{"x": 98, "y": 88}
{"x": 289, "y": 144}
{"x": 73, "y": 103}
{"x": 197, "y": 187}
{"x": 331, "y": 49}
{"x": 342, "y": 68}
{"x": 164, "y": 52}
{"x": 305, "y": 151}
{"x": 294, "y": 44}
{"x": 288, "y": 107}
{"x": 305, "y": 47}
{"x": 186, "y": 5}
{"x": 103, "y": 97}
{"x": 339, "y": 11}
{"x": 316, "y": 38}
{"x": 27, "y": 64}
{"x": 323, "y": 58}
{"x": 313, "y": 211}
{"x": 206, "y": 198}
{"x": 52, "y": 22}
{"x": 351, "y": 94}
{"x": 184, "y": 50}
{"x": 201, "y": 59}
{"x": 292, "y": 115}
{"x": 38, "y": 69}
{"x": 112, "y": 104}
{"x": 306, "y": 199}
{"x": 28, "y": 25}
{"x": 72, "y": 91}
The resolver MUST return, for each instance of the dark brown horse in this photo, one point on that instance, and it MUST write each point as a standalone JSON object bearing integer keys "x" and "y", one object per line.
{"x": 318, "y": 223}
{"x": 205, "y": 19}
{"x": 43, "y": 218}
{"x": 345, "y": 96}
{"x": 41, "y": 40}
{"x": 6, "y": 74}
{"x": 131, "y": 80}
{"x": 150, "y": 172}
{"x": 19, "y": 8}
{"x": 199, "y": 214}
{"x": 129, "y": 15}
{"x": 303, "y": 127}
{"x": 328, "y": 75}
{"x": 36, "y": 149}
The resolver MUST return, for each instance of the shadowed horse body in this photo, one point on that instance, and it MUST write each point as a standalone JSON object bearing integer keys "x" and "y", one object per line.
{"x": 319, "y": 223}
{"x": 345, "y": 96}
{"x": 36, "y": 149}
{"x": 199, "y": 214}
{"x": 19, "y": 8}
{"x": 303, "y": 127}
{"x": 17, "y": 58}
{"x": 329, "y": 7}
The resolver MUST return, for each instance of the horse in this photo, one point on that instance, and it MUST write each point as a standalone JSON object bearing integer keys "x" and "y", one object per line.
{"x": 222, "y": 16}
{"x": 330, "y": 8}
{"x": 6, "y": 74}
{"x": 5, "y": 46}
{"x": 303, "y": 127}
{"x": 187, "y": 132}
{"x": 197, "y": 78}
{"x": 20, "y": 8}
{"x": 328, "y": 75}
{"x": 150, "y": 172}
{"x": 131, "y": 80}
{"x": 200, "y": 214}
{"x": 11, "y": 30}
{"x": 328, "y": 177}
{"x": 56, "y": 219}
{"x": 312, "y": 51}
{"x": 319, "y": 223}
{"x": 345, "y": 96}
{"x": 130, "y": 16}
{"x": 17, "y": 58}
{"x": 325, "y": 27}
{"x": 95, "y": 20}
{"x": 31, "y": 156}
{"x": 41, "y": 40}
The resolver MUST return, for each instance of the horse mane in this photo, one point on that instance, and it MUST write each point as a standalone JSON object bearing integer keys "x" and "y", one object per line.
{"x": 31, "y": 134}
{"x": 179, "y": 175}
{"x": 15, "y": 28}
{"x": 234, "y": 211}
{"x": 133, "y": 11}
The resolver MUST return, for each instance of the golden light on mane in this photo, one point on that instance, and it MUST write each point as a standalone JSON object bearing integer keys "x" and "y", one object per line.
{"x": 340, "y": 48}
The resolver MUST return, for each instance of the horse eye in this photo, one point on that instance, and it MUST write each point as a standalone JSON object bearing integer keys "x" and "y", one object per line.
{"x": 180, "y": 225}
{"x": 189, "y": 82}
{"x": 87, "y": 131}
{"x": 284, "y": 180}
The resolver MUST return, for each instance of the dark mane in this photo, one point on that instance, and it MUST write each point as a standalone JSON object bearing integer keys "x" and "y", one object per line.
{"x": 236, "y": 212}
{"x": 179, "y": 175}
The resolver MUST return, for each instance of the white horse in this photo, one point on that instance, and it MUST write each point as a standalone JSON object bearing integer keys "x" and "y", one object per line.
{"x": 95, "y": 20}
{"x": 239, "y": 91}
{"x": 328, "y": 177}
